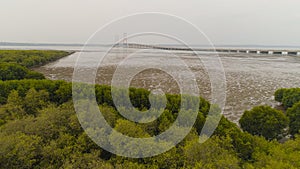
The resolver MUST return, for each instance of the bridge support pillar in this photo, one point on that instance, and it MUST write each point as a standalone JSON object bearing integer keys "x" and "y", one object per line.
{"x": 293, "y": 53}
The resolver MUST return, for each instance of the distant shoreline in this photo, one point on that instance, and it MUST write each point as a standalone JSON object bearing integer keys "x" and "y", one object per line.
{"x": 174, "y": 45}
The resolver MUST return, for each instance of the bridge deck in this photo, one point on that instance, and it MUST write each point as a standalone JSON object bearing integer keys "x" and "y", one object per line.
{"x": 222, "y": 50}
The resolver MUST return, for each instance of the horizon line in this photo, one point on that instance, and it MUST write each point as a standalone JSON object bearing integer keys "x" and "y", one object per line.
{"x": 4, "y": 43}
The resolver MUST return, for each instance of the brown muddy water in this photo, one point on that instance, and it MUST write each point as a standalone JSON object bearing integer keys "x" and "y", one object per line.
{"x": 251, "y": 79}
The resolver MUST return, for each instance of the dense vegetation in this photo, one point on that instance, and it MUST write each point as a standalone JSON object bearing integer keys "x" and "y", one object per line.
{"x": 272, "y": 123}
{"x": 39, "y": 129}
{"x": 14, "y": 71}
{"x": 288, "y": 97}
{"x": 294, "y": 115}
{"x": 16, "y": 64}
{"x": 30, "y": 58}
{"x": 265, "y": 121}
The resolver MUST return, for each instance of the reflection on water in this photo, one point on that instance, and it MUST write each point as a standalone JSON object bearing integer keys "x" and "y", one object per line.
{"x": 251, "y": 79}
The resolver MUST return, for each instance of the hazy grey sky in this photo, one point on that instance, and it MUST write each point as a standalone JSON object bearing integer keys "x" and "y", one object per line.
{"x": 262, "y": 22}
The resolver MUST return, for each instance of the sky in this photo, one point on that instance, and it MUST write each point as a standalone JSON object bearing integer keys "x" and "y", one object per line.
{"x": 230, "y": 22}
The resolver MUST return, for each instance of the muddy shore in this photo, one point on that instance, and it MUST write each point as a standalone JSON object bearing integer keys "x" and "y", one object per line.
{"x": 251, "y": 80}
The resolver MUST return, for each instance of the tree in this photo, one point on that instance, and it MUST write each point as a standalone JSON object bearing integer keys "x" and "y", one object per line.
{"x": 290, "y": 99}
{"x": 34, "y": 75}
{"x": 14, "y": 107}
{"x": 214, "y": 153}
{"x": 130, "y": 129}
{"x": 12, "y": 71}
{"x": 279, "y": 94}
{"x": 19, "y": 150}
{"x": 293, "y": 114}
{"x": 264, "y": 121}
{"x": 63, "y": 93}
{"x": 86, "y": 161}
{"x": 35, "y": 100}
{"x": 271, "y": 154}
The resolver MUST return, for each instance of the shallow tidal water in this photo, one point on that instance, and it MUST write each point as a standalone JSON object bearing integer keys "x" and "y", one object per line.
{"x": 251, "y": 79}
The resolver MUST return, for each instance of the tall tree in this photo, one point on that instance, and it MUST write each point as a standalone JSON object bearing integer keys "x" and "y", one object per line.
{"x": 264, "y": 121}
{"x": 294, "y": 115}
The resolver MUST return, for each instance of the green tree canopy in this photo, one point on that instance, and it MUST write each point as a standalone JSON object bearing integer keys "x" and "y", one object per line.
{"x": 288, "y": 97}
{"x": 264, "y": 121}
{"x": 294, "y": 115}
{"x": 14, "y": 71}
